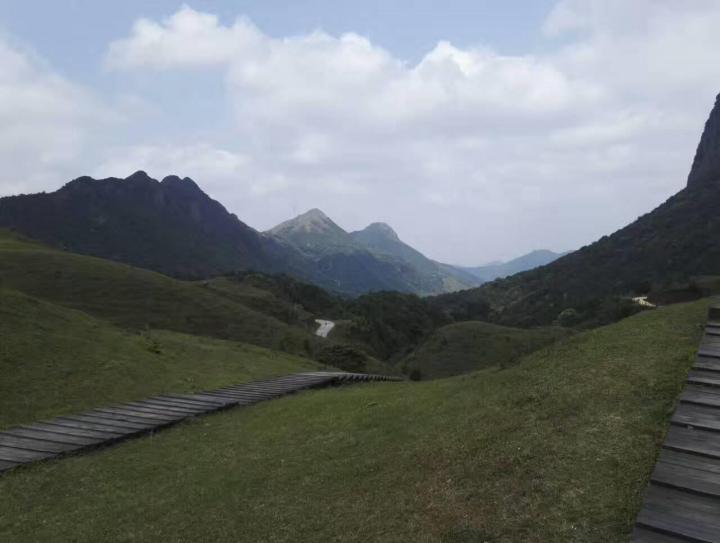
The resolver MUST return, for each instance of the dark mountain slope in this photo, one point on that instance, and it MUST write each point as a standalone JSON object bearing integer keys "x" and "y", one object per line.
{"x": 674, "y": 242}
{"x": 173, "y": 227}
{"x": 170, "y": 226}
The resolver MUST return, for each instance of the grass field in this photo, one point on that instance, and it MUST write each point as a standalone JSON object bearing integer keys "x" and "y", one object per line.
{"x": 56, "y": 360}
{"x": 555, "y": 449}
{"x": 473, "y": 345}
{"x": 139, "y": 299}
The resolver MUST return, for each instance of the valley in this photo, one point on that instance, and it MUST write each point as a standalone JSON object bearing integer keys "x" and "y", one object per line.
{"x": 444, "y": 206}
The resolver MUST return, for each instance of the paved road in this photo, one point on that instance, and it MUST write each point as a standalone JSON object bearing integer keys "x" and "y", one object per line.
{"x": 324, "y": 328}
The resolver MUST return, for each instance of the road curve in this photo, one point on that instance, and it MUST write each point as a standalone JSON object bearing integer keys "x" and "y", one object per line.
{"x": 324, "y": 328}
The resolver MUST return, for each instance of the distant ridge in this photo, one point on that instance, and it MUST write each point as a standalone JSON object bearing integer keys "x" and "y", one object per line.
{"x": 529, "y": 261}
{"x": 173, "y": 227}
{"x": 376, "y": 251}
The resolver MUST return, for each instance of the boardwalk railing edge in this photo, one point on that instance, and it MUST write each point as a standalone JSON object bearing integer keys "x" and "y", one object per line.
{"x": 100, "y": 427}
{"x": 682, "y": 500}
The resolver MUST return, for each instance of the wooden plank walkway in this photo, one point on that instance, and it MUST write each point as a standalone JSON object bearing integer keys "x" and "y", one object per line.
{"x": 71, "y": 434}
{"x": 682, "y": 502}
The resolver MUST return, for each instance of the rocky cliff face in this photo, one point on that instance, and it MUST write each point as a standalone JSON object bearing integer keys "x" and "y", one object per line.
{"x": 706, "y": 166}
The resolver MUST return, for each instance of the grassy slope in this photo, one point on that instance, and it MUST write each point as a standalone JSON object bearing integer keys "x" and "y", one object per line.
{"x": 557, "y": 448}
{"x": 56, "y": 360}
{"x": 136, "y": 298}
{"x": 467, "y": 346}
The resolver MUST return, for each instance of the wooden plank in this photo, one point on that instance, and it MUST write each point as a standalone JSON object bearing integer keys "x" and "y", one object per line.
{"x": 223, "y": 401}
{"x": 69, "y": 433}
{"x": 693, "y": 441}
{"x": 112, "y": 425}
{"x": 194, "y": 403}
{"x": 8, "y": 440}
{"x": 53, "y": 436}
{"x": 707, "y": 363}
{"x": 701, "y": 395}
{"x": 698, "y": 416}
{"x": 682, "y": 514}
{"x": 250, "y": 393}
{"x": 643, "y": 535}
{"x": 148, "y": 407}
{"x": 262, "y": 389}
{"x": 167, "y": 404}
{"x": 235, "y": 397}
{"x": 126, "y": 414}
{"x": 694, "y": 461}
{"x": 75, "y": 429}
{"x": 702, "y": 377}
{"x": 191, "y": 400}
{"x": 713, "y": 353}
{"x": 687, "y": 478}
{"x": 21, "y": 456}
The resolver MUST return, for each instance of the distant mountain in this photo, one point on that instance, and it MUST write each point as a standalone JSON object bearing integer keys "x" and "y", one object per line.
{"x": 374, "y": 252}
{"x": 671, "y": 245}
{"x": 173, "y": 227}
{"x": 531, "y": 260}
{"x": 315, "y": 234}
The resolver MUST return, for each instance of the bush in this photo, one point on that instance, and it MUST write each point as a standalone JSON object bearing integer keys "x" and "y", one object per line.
{"x": 344, "y": 357}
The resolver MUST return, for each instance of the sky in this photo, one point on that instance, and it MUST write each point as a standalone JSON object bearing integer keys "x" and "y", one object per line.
{"x": 479, "y": 130}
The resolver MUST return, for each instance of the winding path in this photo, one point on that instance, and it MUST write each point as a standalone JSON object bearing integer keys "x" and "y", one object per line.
{"x": 71, "y": 434}
{"x": 325, "y": 327}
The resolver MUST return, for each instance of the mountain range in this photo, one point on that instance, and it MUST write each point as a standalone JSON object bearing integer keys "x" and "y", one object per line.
{"x": 173, "y": 227}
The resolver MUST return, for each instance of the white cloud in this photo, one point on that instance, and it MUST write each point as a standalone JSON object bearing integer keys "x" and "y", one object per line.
{"x": 45, "y": 122}
{"x": 515, "y": 145}
{"x": 471, "y": 154}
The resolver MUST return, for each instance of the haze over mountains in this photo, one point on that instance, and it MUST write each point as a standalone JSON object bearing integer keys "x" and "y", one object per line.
{"x": 496, "y": 270}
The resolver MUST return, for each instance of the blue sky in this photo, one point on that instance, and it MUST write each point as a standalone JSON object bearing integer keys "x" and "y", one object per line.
{"x": 408, "y": 28}
{"x": 479, "y": 130}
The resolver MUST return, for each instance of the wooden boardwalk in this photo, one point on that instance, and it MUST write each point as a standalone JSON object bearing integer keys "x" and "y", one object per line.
{"x": 71, "y": 434}
{"x": 682, "y": 502}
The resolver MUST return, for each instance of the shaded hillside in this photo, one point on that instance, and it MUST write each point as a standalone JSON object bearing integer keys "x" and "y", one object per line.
{"x": 138, "y": 299}
{"x": 169, "y": 226}
{"x": 673, "y": 243}
{"x": 469, "y": 346}
{"x": 270, "y": 311}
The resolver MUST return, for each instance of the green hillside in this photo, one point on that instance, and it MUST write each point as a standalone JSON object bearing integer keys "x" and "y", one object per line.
{"x": 473, "y": 345}
{"x": 138, "y": 299}
{"x": 56, "y": 360}
{"x": 557, "y": 448}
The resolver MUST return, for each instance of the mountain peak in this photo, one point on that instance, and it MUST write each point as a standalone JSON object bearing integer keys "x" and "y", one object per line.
{"x": 312, "y": 221}
{"x": 381, "y": 229}
{"x": 314, "y": 214}
{"x": 139, "y": 175}
{"x": 706, "y": 166}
